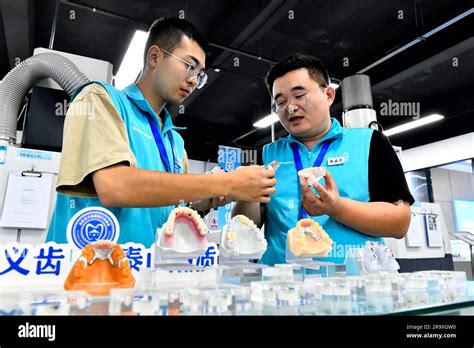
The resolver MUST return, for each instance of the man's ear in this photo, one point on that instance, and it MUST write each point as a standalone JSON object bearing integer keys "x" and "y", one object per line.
{"x": 330, "y": 94}
{"x": 153, "y": 56}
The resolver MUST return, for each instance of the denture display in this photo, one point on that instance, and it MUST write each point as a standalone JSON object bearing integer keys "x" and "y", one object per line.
{"x": 378, "y": 257}
{"x": 183, "y": 233}
{"x": 370, "y": 261}
{"x": 241, "y": 238}
{"x": 309, "y": 239}
{"x": 102, "y": 266}
{"x": 312, "y": 175}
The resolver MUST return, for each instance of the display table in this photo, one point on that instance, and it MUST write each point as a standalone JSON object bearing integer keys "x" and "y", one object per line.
{"x": 280, "y": 291}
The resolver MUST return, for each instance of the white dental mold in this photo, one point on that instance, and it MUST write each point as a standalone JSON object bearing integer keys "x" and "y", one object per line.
{"x": 378, "y": 257}
{"x": 370, "y": 259}
{"x": 312, "y": 175}
{"x": 241, "y": 239}
{"x": 183, "y": 235}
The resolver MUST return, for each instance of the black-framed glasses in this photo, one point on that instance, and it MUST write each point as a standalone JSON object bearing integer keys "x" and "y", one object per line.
{"x": 191, "y": 72}
{"x": 297, "y": 100}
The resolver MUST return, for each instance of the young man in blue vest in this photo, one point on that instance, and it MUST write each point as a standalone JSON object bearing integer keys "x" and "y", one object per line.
{"x": 364, "y": 198}
{"x": 128, "y": 156}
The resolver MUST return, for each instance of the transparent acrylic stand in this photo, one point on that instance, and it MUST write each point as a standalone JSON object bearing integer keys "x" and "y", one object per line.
{"x": 353, "y": 262}
{"x": 309, "y": 266}
{"x": 178, "y": 261}
{"x": 240, "y": 269}
{"x": 284, "y": 272}
{"x": 44, "y": 302}
{"x": 222, "y": 299}
{"x": 146, "y": 301}
{"x": 173, "y": 268}
{"x": 283, "y": 297}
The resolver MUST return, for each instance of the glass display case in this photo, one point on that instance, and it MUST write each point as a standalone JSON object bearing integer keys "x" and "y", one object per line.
{"x": 281, "y": 291}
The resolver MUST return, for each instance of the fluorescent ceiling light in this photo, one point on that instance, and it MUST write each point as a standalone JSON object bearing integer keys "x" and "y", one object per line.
{"x": 334, "y": 85}
{"x": 266, "y": 121}
{"x": 414, "y": 124}
{"x": 132, "y": 62}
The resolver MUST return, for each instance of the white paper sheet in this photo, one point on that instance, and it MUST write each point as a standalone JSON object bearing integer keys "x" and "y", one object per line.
{"x": 27, "y": 201}
{"x": 433, "y": 231}
{"x": 416, "y": 232}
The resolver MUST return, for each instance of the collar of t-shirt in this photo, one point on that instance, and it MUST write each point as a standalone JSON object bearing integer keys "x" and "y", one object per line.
{"x": 335, "y": 132}
{"x": 135, "y": 94}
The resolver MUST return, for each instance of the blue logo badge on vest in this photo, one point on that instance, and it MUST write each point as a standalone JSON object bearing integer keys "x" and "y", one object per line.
{"x": 91, "y": 224}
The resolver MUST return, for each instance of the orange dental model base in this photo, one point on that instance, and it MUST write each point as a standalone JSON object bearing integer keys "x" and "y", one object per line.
{"x": 101, "y": 267}
{"x": 309, "y": 239}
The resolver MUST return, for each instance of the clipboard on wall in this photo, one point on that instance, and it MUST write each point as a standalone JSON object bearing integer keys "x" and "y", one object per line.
{"x": 27, "y": 199}
{"x": 434, "y": 236}
{"x": 415, "y": 237}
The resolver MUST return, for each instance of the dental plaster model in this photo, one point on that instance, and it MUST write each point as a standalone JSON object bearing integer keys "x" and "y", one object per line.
{"x": 312, "y": 175}
{"x": 101, "y": 267}
{"x": 184, "y": 233}
{"x": 309, "y": 239}
{"x": 241, "y": 238}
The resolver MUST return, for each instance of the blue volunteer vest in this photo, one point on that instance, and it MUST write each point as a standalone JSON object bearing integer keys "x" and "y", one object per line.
{"x": 136, "y": 224}
{"x": 284, "y": 209}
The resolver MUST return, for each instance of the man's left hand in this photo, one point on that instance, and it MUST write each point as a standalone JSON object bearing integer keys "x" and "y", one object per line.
{"x": 328, "y": 202}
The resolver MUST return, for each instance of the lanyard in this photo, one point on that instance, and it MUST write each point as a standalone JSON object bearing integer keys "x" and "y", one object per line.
{"x": 161, "y": 147}
{"x": 317, "y": 163}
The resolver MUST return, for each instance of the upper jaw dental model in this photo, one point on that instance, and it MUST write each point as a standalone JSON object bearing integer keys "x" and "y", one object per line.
{"x": 312, "y": 175}
{"x": 242, "y": 239}
{"x": 183, "y": 234}
{"x": 308, "y": 239}
{"x": 102, "y": 266}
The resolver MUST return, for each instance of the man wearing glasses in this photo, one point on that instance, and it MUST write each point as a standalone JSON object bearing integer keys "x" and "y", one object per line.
{"x": 128, "y": 155}
{"x": 365, "y": 196}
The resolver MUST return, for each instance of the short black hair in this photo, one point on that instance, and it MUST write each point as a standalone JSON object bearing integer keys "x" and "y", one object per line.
{"x": 167, "y": 33}
{"x": 316, "y": 69}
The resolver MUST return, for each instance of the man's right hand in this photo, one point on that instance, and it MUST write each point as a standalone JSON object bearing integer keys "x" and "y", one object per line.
{"x": 252, "y": 183}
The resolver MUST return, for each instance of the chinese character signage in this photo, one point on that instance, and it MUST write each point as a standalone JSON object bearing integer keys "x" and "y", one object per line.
{"x": 53, "y": 261}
